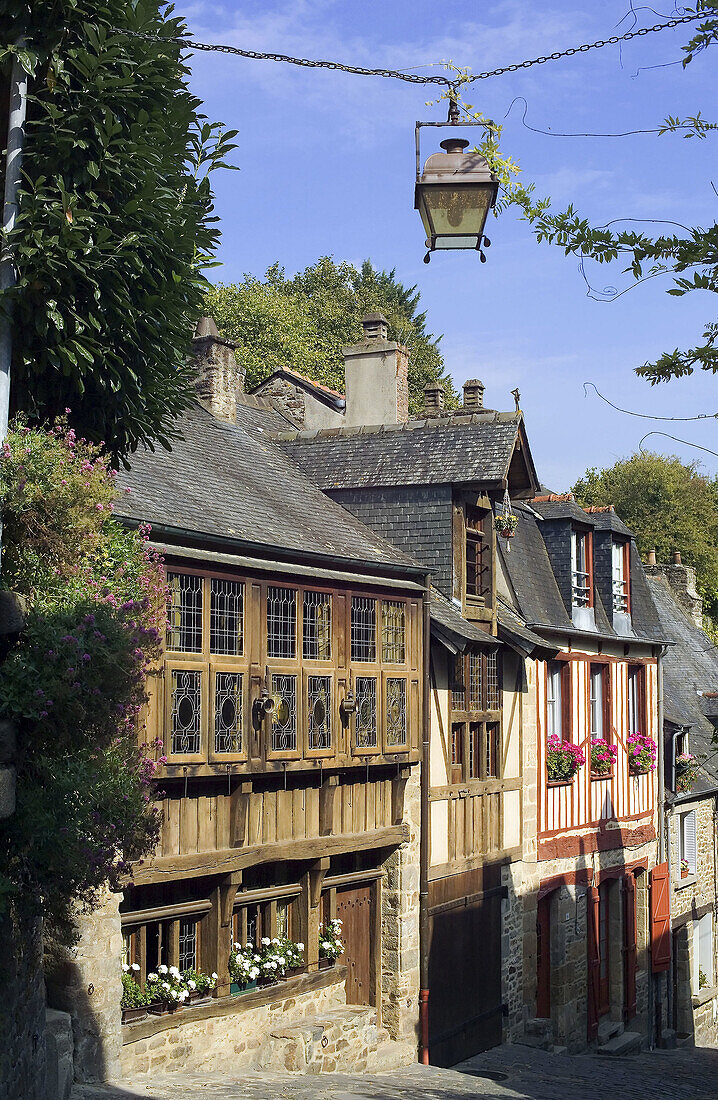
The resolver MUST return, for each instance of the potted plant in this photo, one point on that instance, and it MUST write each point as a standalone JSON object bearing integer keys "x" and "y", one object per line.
{"x": 685, "y": 868}
{"x": 198, "y": 985}
{"x": 642, "y": 753}
{"x": 602, "y": 756}
{"x": 563, "y": 759}
{"x": 134, "y": 999}
{"x": 686, "y": 772}
{"x": 167, "y": 990}
{"x": 244, "y": 968}
{"x": 505, "y": 524}
{"x": 330, "y": 943}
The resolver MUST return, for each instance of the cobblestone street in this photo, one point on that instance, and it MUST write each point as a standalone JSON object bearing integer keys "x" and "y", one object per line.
{"x": 525, "y": 1074}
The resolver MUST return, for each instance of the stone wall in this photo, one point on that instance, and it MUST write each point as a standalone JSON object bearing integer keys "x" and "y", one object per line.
{"x": 22, "y": 1011}
{"x": 400, "y": 927}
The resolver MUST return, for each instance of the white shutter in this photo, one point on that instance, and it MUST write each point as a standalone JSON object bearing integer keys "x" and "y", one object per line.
{"x": 705, "y": 946}
{"x": 689, "y": 840}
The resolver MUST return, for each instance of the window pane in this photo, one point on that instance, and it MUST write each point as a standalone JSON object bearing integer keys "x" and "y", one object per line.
{"x": 458, "y": 688}
{"x": 284, "y": 715}
{"x": 184, "y": 613}
{"x": 395, "y": 712}
{"x": 363, "y": 628}
{"x": 186, "y": 716}
{"x": 596, "y": 701}
{"x": 492, "y": 750}
{"x": 319, "y": 700}
{"x": 579, "y": 573}
{"x": 317, "y": 628}
{"x": 226, "y": 617}
{"x": 457, "y": 743}
{"x": 475, "y": 682}
{"x": 281, "y": 622}
{"x": 366, "y": 712}
{"x": 228, "y": 712}
{"x": 475, "y": 750}
{"x": 393, "y": 632}
{"x": 553, "y": 699}
{"x": 492, "y": 682}
{"x": 620, "y": 585}
{"x": 187, "y": 945}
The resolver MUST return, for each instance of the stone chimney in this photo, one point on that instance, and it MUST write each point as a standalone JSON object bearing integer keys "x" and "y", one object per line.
{"x": 433, "y": 399}
{"x": 220, "y": 379}
{"x": 682, "y": 582}
{"x": 473, "y": 396}
{"x": 377, "y": 377}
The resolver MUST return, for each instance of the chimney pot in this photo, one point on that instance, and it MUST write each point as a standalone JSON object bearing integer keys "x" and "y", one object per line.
{"x": 651, "y": 557}
{"x": 433, "y": 398}
{"x": 676, "y": 557}
{"x": 376, "y": 326}
{"x": 220, "y": 378}
{"x": 473, "y": 395}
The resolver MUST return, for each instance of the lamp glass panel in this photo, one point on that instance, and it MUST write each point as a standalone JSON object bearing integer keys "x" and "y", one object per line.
{"x": 457, "y": 211}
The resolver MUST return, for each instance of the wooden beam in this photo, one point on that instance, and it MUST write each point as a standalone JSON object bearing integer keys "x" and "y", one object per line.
{"x": 328, "y": 800}
{"x": 316, "y": 880}
{"x": 398, "y": 787}
{"x": 239, "y": 807}
{"x": 167, "y": 868}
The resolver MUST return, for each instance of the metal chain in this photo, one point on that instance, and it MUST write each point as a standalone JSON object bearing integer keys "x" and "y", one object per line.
{"x": 411, "y": 78}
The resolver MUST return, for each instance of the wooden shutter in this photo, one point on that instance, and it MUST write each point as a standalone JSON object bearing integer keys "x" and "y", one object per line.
{"x": 660, "y": 918}
{"x": 629, "y": 947}
{"x": 689, "y": 840}
{"x": 594, "y": 961}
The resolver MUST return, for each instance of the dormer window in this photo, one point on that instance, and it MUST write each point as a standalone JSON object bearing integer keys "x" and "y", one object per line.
{"x": 581, "y": 554}
{"x": 621, "y": 574}
{"x": 478, "y": 555}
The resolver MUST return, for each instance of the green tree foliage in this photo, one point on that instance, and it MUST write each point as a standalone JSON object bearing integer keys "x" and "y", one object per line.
{"x": 669, "y": 506}
{"x": 115, "y": 219}
{"x": 304, "y": 321}
{"x": 74, "y": 683}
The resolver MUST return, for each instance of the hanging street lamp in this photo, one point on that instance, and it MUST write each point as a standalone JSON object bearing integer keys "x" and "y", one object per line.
{"x": 455, "y": 192}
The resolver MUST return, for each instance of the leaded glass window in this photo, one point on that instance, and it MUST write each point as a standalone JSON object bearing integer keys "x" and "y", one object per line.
{"x": 184, "y": 613}
{"x": 363, "y": 628}
{"x": 493, "y": 701}
{"x": 228, "y": 712}
{"x": 319, "y": 705}
{"x": 393, "y": 632}
{"x": 284, "y": 715}
{"x": 458, "y": 687}
{"x": 366, "y": 712}
{"x": 395, "y": 712}
{"x": 226, "y": 629}
{"x": 317, "y": 626}
{"x": 186, "y": 713}
{"x": 475, "y": 682}
{"x": 281, "y": 622}
{"x": 187, "y": 944}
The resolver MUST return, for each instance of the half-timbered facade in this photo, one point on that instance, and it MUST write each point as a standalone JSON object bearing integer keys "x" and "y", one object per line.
{"x": 576, "y": 579}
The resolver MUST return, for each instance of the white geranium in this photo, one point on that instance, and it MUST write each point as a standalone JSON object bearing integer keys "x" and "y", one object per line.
{"x": 152, "y": 977}
{"x": 162, "y": 968}
{"x": 125, "y": 967}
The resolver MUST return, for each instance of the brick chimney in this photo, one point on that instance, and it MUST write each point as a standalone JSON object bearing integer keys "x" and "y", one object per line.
{"x": 433, "y": 399}
{"x": 682, "y": 582}
{"x": 377, "y": 377}
{"x": 220, "y": 379}
{"x": 473, "y": 396}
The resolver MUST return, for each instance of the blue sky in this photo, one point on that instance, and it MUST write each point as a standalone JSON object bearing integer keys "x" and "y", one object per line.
{"x": 327, "y": 167}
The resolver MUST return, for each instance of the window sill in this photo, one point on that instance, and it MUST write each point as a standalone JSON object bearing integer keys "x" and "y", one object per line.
{"x": 560, "y": 782}
{"x": 682, "y": 883}
{"x": 230, "y": 1006}
{"x": 704, "y": 995}
{"x": 596, "y": 777}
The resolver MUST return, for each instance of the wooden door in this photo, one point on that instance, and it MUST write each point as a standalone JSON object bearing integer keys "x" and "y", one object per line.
{"x": 593, "y": 961}
{"x": 604, "y": 995}
{"x": 354, "y": 910}
{"x": 629, "y": 947}
{"x": 543, "y": 958}
{"x": 465, "y": 1010}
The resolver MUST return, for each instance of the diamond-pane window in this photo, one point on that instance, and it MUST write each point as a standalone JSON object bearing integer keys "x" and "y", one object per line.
{"x": 184, "y": 613}
{"x": 493, "y": 701}
{"x": 228, "y": 712}
{"x": 187, "y": 944}
{"x": 363, "y": 628}
{"x": 186, "y": 717}
{"x": 226, "y": 631}
{"x": 319, "y": 705}
{"x": 366, "y": 712}
{"x": 393, "y": 632}
{"x": 395, "y": 712}
{"x": 284, "y": 715}
{"x": 317, "y": 626}
{"x": 475, "y": 682}
{"x": 281, "y": 622}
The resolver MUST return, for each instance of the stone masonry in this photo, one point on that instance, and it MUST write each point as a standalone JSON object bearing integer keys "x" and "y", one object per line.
{"x": 22, "y": 1012}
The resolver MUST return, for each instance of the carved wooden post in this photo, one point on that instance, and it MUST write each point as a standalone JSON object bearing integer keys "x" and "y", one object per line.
{"x": 310, "y": 911}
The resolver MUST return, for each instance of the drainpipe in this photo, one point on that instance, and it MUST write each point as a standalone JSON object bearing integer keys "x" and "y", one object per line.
{"x": 424, "y": 841}
{"x": 664, "y": 843}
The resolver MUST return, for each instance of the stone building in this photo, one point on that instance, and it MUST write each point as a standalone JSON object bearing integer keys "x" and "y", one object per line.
{"x": 690, "y": 677}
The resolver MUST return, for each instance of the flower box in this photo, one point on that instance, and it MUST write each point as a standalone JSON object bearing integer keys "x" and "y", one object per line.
{"x": 642, "y": 754}
{"x": 198, "y": 996}
{"x": 563, "y": 759}
{"x": 159, "y": 1008}
{"x": 560, "y": 782}
{"x": 237, "y": 988}
{"x": 326, "y": 964}
{"x": 133, "y": 1015}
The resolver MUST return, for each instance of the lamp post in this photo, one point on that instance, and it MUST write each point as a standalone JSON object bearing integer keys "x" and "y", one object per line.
{"x": 455, "y": 192}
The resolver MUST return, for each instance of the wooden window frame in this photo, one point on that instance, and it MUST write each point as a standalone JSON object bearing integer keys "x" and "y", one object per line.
{"x": 625, "y": 548}
{"x": 172, "y": 666}
{"x": 476, "y": 722}
{"x": 477, "y": 532}
{"x": 639, "y": 671}
{"x": 213, "y": 756}
{"x": 456, "y": 763}
{"x": 394, "y": 674}
{"x": 334, "y": 717}
{"x": 584, "y": 536}
{"x": 564, "y": 669}
{"x": 484, "y": 707}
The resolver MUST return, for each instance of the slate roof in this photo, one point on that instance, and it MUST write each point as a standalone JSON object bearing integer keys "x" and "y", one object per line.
{"x": 448, "y": 620}
{"x": 456, "y": 449}
{"x": 540, "y": 604}
{"x": 231, "y": 481}
{"x": 689, "y": 666}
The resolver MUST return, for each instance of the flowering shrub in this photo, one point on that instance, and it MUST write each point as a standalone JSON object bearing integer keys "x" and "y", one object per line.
{"x": 74, "y": 684}
{"x": 330, "y": 941}
{"x": 166, "y": 986}
{"x": 685, "y": 868}
{"x": 602, "y": 756}
{"x": 563, "y": 759}
{"x": 133, "y": 996}
{"x": 686, "y": 771}
{"x": 268, "y": 964}
{"x": 642, "y": 753}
